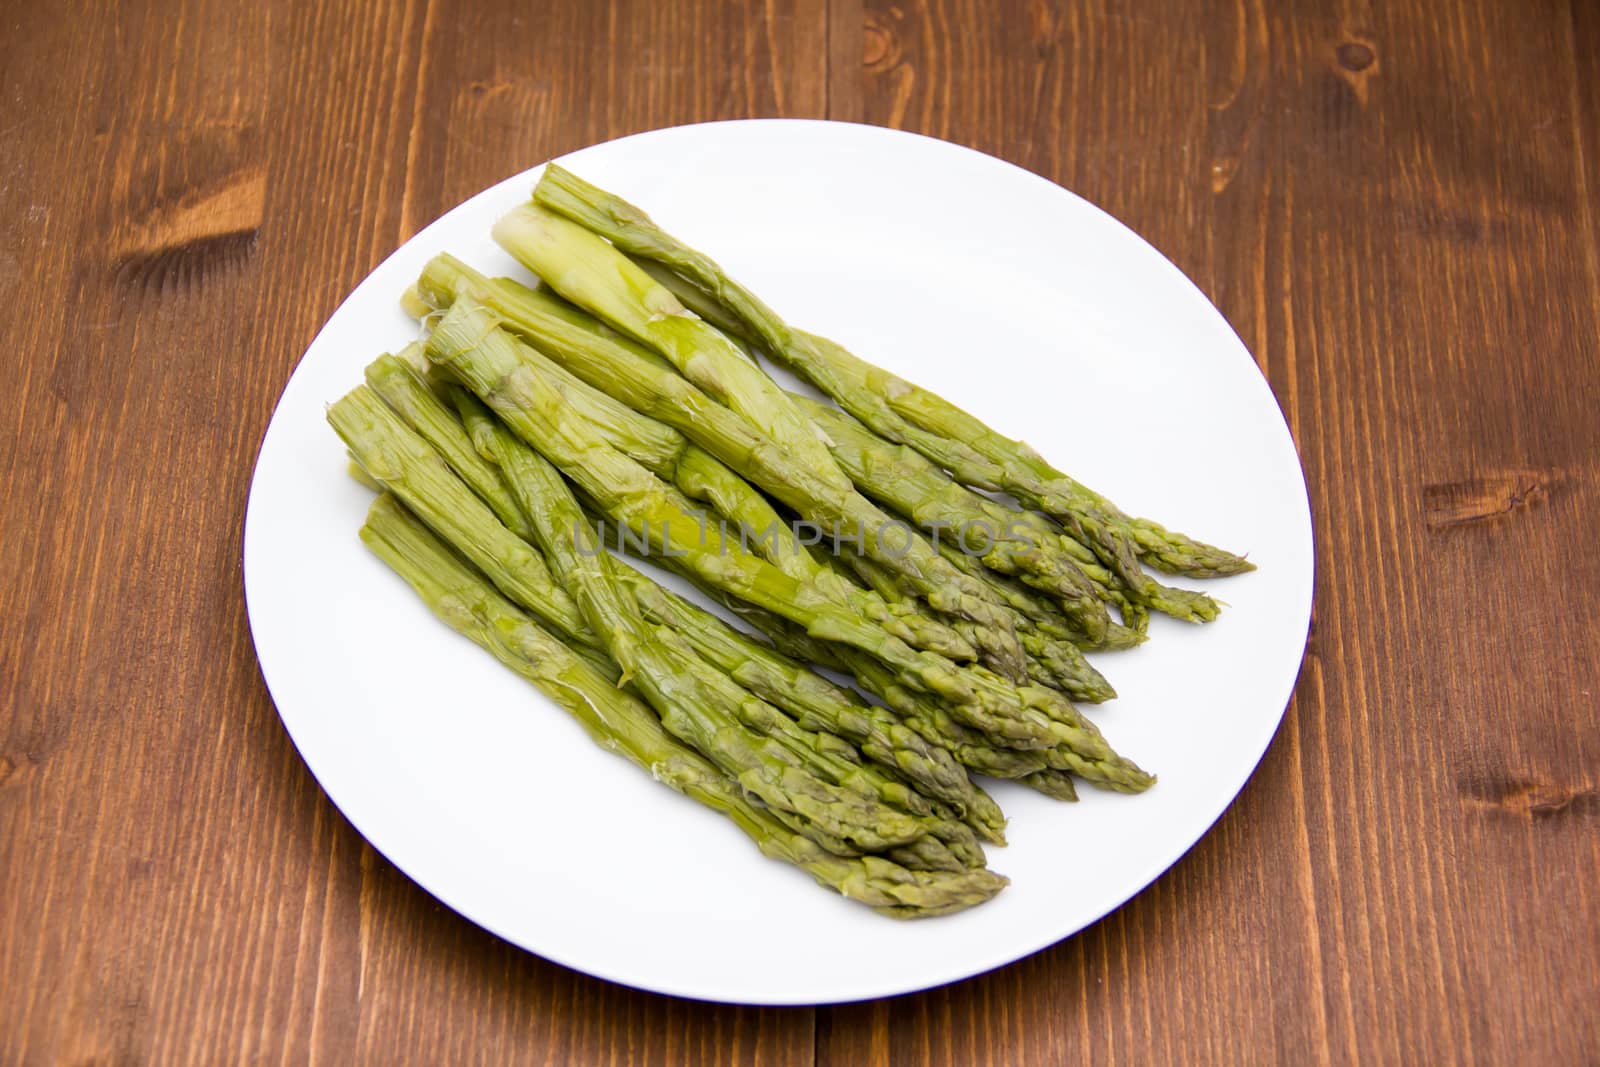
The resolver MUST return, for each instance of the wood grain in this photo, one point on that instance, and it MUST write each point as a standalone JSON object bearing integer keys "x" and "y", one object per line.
{"x": 1398, "y": 208}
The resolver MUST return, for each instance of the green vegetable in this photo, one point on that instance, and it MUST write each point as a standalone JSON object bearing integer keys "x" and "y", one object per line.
{"x": 792, "y": 770}
{"x": 486, "y": 360}
{"x": 401, "y": 461}
{"x": 815, "y": 702}
{"x": 610, "y": 603}
{"x": 903, "y": 479}
{"x": 892, "y": 407}
{"x": 621, "y": 723}
{"x": 817, "y": 491}
{"x": 403, "y": 388}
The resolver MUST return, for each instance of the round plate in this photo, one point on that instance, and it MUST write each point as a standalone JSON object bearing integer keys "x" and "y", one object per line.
{"x": 1004, "y": 292}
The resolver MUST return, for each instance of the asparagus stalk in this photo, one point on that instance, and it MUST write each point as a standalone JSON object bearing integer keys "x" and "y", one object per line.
{"x": 621, "y": 723}
{"x": 903, "y": 479}
{"x": 813, "y": 700}
{"x": 400, "y": 460}
{"x": 1051, "y": 783}
{"x": 1062, "y": 666}
{"x": 784, "y": 454}
{"x": 892, "y": 407}
{"x": 899, "y": 748}
{"x": 1057, "y": 663}
{"x": 1043, "y": 616}
{"x": 555, "y": 514}
{"x": 484, "y": 358}
{"x": 792, "y": 770}
{"x": 412, "y": 397}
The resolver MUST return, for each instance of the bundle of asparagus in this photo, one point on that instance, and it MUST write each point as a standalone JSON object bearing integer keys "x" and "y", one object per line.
{"x": 626, "y": 391}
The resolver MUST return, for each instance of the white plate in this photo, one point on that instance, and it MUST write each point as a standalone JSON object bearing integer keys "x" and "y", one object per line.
{"x": 1015, "y": 298}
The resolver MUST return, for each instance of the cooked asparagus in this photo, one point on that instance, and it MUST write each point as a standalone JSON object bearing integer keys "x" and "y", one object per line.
{"x": 818, "y": 703}
{"x": 485, "y": 359}
{"x": 903, "y": 479}
{"x": 402, "y": 387}
{"x": 629, "y": 390}
{"x": 791, "y": 769}
{"x": 597, "y": 277}
{"x": 596, "y": 581}
{"x": 621, "y": 723}
{"x": 891, "y": 406}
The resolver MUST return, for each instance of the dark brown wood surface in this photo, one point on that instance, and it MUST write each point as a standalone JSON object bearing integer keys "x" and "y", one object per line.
{"x": 1395, "y": 204}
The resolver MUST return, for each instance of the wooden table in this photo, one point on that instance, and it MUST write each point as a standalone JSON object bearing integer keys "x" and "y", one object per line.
{"x": 1396, "y": 205}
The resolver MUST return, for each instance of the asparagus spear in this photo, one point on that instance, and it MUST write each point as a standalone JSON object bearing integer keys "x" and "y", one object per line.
{"x": 892, "y": 407}
{"x": 544, "y": 497}
{"x": 791, "y": 769}
{"x": 404, "y": 389}
{"x": 1051, "y": 783}
{"x": 1062, "y": 665}
{"x": 484, "y": 358}
{"x": 813, "y": 700}
{"x": 404, "y": 463}
{"x": 1043, "y": 616}
{"x": 619, "y": 722}
{"x": 594, "y": 275}
{"x": 1055, "y": 662}
{"x": 901, "y": 478}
